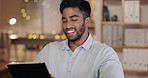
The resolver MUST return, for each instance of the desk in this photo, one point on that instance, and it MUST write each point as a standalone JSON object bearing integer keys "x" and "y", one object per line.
{"x": 31, "y": 42}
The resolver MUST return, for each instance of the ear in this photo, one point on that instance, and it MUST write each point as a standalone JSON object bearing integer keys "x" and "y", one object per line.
{"x": 87, "y": 20}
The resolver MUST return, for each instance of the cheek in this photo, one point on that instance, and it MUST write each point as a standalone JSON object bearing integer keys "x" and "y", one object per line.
{"x": 79, "y": 24}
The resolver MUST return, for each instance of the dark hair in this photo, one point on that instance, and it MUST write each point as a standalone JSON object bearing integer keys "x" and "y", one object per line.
{"x": 83, "y": 5}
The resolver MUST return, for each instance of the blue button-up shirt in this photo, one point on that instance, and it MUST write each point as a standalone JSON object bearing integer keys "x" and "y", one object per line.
{"x": 90, "y": 60}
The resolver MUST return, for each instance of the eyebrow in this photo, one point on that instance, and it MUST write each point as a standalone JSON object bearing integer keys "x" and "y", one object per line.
{"x": 71, "y": 16}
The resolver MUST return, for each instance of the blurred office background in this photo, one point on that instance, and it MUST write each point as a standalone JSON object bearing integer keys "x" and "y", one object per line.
{"x": 26, "y": 26}
{"x": 28, "y": 19}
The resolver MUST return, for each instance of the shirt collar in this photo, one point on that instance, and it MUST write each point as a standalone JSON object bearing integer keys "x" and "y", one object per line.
{"x": 65, "y": 45}
{"x": 86, "y": 45}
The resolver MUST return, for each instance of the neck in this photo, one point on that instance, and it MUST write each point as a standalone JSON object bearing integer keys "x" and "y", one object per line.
{"x": 74, "y": 45}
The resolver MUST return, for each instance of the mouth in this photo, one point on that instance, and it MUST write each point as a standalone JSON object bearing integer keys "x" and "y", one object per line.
{"x": 70, "y": 32}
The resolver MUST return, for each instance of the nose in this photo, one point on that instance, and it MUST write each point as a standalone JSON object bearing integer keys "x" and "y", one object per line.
{"x": 69, "y": 24}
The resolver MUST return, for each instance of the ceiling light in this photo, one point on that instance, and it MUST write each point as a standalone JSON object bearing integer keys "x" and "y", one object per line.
{"x": 12, "y": 21}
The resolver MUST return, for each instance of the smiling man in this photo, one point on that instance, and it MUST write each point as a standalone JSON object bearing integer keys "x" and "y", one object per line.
{"x": 80, "y": 55}
{"x": 74, "y": 26}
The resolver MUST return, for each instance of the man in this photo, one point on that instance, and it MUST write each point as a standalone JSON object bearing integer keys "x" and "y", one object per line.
{"x": 80, "y": 55}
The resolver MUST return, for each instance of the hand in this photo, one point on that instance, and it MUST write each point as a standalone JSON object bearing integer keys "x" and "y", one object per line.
{"x": 52, "y": 76}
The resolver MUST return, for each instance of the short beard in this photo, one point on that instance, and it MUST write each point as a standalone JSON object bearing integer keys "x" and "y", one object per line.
{"x": 82, "y": 30}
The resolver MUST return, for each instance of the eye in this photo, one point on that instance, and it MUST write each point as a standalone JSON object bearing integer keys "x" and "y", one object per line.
{"x": 74, "y": 19}
{"x": 64, "y": 21}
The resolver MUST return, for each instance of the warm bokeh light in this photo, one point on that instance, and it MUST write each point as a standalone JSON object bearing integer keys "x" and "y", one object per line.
{"x": 57, "y": 37}
{"x": 34, "y": 36}
{"x": 26, "y": 0}
{"x": 41, "y": 36}
{"x": 12, "y": 21}
{"x": 13, "y": 36}
{"x": 30, "y": 36}
{"x": 23, "y": 10}
{"x": 24, "y": 14}
{"x": 53, "y": 32}
{"x": 63, "y": 37}
{"x": 27, "y": 17}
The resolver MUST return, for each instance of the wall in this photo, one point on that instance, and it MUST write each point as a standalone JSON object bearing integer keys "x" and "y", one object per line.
{"x": 52, "y": 17}
{"x": 0, "y": 14}
{"x": 9, "y": 9}
{"x": 45, "y": 17}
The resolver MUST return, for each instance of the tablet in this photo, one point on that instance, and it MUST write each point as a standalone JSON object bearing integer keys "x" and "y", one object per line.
{"x": 28, "y": 70}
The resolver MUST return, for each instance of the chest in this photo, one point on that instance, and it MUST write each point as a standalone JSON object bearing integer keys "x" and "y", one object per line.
{"x": 80, "y": 64}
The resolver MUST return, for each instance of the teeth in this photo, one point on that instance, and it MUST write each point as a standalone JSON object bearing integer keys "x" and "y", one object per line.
{"x": 71, "y": 31}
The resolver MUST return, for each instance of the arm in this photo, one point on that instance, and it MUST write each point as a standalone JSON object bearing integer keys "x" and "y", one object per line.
{"x": 110, "y": 65}
{"x": 111, "y": 69}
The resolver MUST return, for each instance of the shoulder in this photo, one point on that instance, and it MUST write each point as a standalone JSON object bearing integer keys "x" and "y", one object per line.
{"x": 107, "y": 51}
{"x": 104, "y": 51}
{"x": 101, "y": 46}
{"x": 106, "y": 54}
{"x": 50, "y": 49}
{"x": 56, "y": 44}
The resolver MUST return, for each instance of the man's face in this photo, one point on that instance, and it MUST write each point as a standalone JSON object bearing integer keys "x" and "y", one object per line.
{"x": 73, "y": 23}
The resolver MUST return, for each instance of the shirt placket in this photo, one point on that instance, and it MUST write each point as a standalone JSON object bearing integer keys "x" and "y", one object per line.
{"x": 71, "y": 61}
